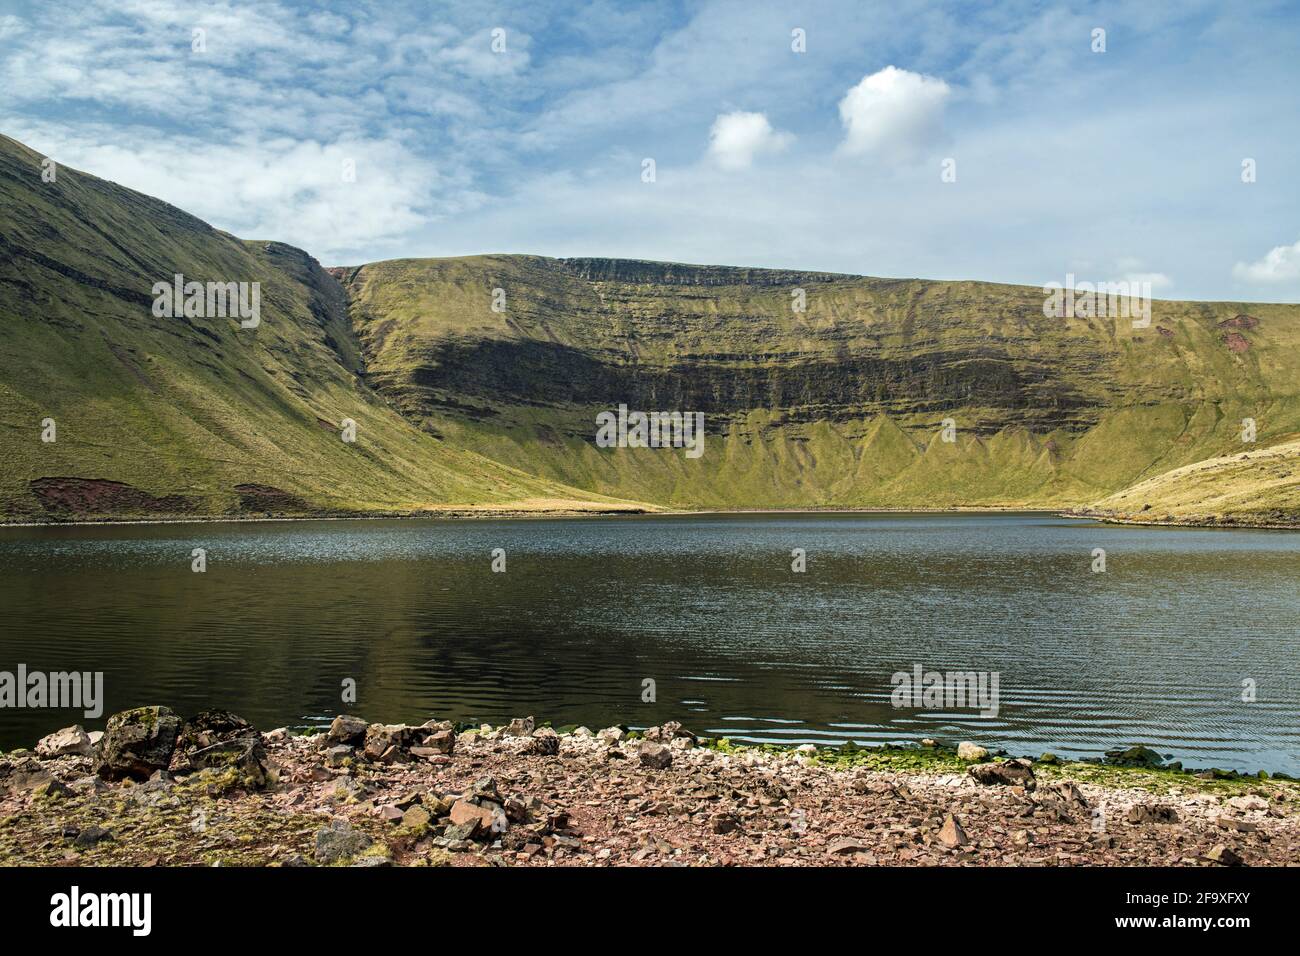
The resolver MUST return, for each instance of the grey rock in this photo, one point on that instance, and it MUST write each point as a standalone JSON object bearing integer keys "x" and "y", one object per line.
{"x": 656, "y": 756}
{"x": 90, "y": 836}
{"x": 544, "y": 743}
{"x": 520, "y": 727}
{"x": 337, "y": 756}
{"x": 346, "y": 729}
{"x": 69, "y": 740}
{"x": 338, "y": 841}
{"x": 1152, "y": 813}
{"x": 1009, "y": 773}
{"x": 1225, "y": 856}
{"x": 969, "y": 751}
{"x": 137, "y": 742}
{"x": 952, "y": 834}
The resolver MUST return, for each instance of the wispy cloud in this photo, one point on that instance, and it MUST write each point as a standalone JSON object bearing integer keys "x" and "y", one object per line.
{"x": 462, "y": 144}
{"x": 1280, "y": 264}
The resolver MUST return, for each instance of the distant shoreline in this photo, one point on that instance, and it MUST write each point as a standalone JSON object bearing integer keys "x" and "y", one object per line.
{"x": 512, "y": 514}
{"x": 1203, "y": 523}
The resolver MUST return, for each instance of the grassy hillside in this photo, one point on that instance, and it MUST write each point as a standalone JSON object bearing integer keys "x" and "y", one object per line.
{"x": 192, "y": 416}
{"x": 1258, "y": 487}
{"x": 840, "y": 405}
{"x": 460, "y": 405}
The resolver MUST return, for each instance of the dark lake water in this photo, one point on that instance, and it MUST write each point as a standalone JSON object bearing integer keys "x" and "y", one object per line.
{"x": 1154, "y": 650}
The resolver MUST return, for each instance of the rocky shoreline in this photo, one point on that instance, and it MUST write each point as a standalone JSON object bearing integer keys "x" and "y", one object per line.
{"x": 156, "y": 790}
{"x": 1225, "y": 522}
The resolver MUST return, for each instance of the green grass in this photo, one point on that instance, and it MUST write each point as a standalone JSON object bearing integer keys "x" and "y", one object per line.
{"x": 840, "y": 406}
{"x": 459, "y": 406}
{"x": 194, "y": 407}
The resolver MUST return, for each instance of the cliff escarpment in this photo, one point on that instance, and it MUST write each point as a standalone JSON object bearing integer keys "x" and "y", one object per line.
{"x": 818, "y": 390}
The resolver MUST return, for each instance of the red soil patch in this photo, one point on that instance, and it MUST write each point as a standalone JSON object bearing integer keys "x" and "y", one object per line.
{"x": 1236, "y": 342}
{"x": 74, "y": 497}
{"x": 1242, "y": 321}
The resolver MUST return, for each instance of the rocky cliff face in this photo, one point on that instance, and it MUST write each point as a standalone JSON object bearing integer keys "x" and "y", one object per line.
{"x": 842, "y": 402}
{"x": 477, "y": 381}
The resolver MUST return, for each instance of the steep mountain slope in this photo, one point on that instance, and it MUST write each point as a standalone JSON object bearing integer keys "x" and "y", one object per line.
{"x": 839, "y": 405}
{"x": 191, "y": 416}
{"x": 475, "y": 382}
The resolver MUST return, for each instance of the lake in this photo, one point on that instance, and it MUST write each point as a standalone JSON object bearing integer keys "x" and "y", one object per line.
{"x": 1160, "y": 648}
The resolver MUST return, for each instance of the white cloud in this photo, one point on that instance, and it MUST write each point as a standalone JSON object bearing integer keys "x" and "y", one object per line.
{"x": 1157, "y": 280}
{"x": 893, "y": 112}
{"x": 538, "y": 149}
{"x": 736, "y": 138}
{"x": 1282, "y": 264}
{"x": 293, "y": 191}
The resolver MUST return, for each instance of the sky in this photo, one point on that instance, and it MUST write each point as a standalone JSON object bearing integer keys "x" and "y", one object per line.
{"x": 1008, "y": 141}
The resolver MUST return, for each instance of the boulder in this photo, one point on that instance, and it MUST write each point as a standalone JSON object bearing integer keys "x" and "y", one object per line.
{"x": 669, "y": 732}
{"x": 1067, "y": 792}
{"x": 416, "y": 817}
{"x": 1152, "y": 813}
{"x": 388, "y": 741}
{"x": 1139, "y": 756}
{"x": 345, "y": 729}
{"x": 52, "y": 789}
{"x": 21, "y": 771}
{"x": 1244, "y": 803}
{"x": 723, "y": 823}
{"x": 478, "y": 819}
{"x": 220, "y": 740}
{"x": 969, "y": 751}
{"x": 1009, "y": 773}
{"x": 69, "y": 740}
{"x": 459, "y": 833}
{"x": 520, "y": 727}
{"x": 441, "y": 741}
{"x": 339, "y": 841}
{"x": 544, "y": 743}
{"x": 245, "y": 755}
{"x": 212, "y": 727}
{"x": 339, "y": 755}
{"x": 952, "y": 834}
{"x": 656, "y": 756}
{"x": 842, "y": 846}
{"x": 1224, "y": 856}
{"x": 137, "y": 742}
